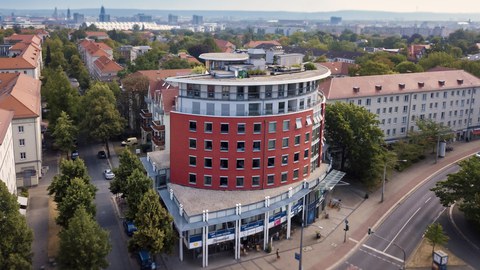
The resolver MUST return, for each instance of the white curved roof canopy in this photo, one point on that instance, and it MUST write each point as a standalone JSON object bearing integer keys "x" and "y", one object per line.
{"x": 224, "y": 56}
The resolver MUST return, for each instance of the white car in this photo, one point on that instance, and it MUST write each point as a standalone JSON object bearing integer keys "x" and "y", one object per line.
{"x": 477, "y": 154}
{"x": 109, "y": 175}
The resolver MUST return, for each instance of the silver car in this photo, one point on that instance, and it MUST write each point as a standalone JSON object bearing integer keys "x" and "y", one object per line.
{"x": 109, "y": 175}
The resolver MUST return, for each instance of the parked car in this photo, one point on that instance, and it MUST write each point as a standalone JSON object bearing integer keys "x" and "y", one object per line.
{"x": 109, "y": 175}
{"x": 74, "y": 154}
{"x": 129, "y": 227}
{"x": 130, "y": 141}
{"x": 101, "y": 154}
{"x": 477, "y": 154}
{"x": 145, "y": 260}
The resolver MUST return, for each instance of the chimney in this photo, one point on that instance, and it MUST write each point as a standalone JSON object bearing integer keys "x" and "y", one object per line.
{"x": 421, "y": 84}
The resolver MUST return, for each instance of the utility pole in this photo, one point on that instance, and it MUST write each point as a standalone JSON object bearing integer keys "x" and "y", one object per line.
{"x": 346, "y": 230}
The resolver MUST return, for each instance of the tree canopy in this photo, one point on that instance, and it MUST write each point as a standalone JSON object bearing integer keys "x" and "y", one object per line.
{"x": 15, "y": 235}
{"x": 435, "y": 235}
{"x": 78, "y": 194}
{"x": 155, "y": 232}
{"x": 65, "y": 133}
{"x": 353, "y": 133}
{"x": 128, "y": 162}
{"x": 84, "y": 244}
{"x": 462, "y": 188}
{"x": 137, "y": 184}
{"x": 69, "y": 169}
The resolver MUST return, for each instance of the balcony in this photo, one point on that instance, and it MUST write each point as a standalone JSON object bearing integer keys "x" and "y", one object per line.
{"x": 158, "y": 142}
{"x": 157, "y": 126}
{"x": 145, "y": 114}
{"x": 146, "y": 127}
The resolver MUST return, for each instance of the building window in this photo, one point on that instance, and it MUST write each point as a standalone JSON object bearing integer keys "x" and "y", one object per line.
{"x": 208, "y": 145}
{"x": 224, "y": 146}
{"x": 240, "y": 181}
{"x": 284, "y": 177}
{"x": 295, "y": 174}
{"x": 207, "y": 180}
{"x": 368, "y": 102}
{"x": 20, "y": 129}
{"x": 308, "y": 120}
{"x": 285, "y": 142}
{"x": 257, "y": 128}
{"x": 23, "y": 155}
{"x": 256, "y": 146}
{"x": 271, "y": 162}
{"x": 223, "y": 181}
{"x": 208, "y": 162}
{"x": 296, "y": 156}
{"x": 223, "y": 163}
{"x": 271, "y": 144}
{"x": 193, "y": 125}
{"x": 21, "y": 142}
{"x": 208, "y": 127}
{"x": 305, "y": 153}
{"x": 305, "y": 170}
{"x": 297, "y": 139}
{"x": 270, "y": 179}
{"x": 286, "y": 125}
{"x": 298, "y": 123}
{"x": 307, "y": 137}
{"x": 255, "y": 181}
{"x": 211, "y": 91}
{"x": 224, "y": 128}
{"x": 256, "y": 163}
{"x": 192, "y": 143}
{"x": 193, "y": 161}
{"x": 284, "y": 160}
{"x": 240, "y": 164}
{"x": 192, "y": 178}
{"x": 241, "y": 146}
{"x": 272, "y": 127}
{"x": 241, "y": 128}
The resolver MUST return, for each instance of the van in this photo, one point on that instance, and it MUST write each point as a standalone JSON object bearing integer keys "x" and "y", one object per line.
{"x": 145, "y": 260}
{"x": 130, "y": 141}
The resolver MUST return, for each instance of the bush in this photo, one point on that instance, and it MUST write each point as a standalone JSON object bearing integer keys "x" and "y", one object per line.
{"x": 255, "y": 72}
{"x": 309, "y": 66}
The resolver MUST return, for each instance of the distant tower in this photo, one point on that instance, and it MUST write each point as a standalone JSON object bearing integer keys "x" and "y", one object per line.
{"x": 55, "y": 14}
{"x": 103, "y": 17}
{"x": 69, "y": 16}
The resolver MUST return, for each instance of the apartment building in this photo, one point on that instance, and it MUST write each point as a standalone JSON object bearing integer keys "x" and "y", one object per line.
{"x": 24, "y": 55}
{"x": 449, "y": 97}
{"x": 245, "y": 155}
{"x": 20, "y": 94}
{"x": 7, "y": 156}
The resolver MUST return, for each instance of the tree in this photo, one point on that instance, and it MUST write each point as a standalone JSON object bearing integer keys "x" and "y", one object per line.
{"x": 128, "y": 163}
{"x": 69, "y": 169}
{"x": 16, "y": 237}
{"x": 429, "y": 132}
{"x": 137, "y": 184}
{"x": 408, "y": 67}
{"x": 48, "y": 57}
{"x": 77, "y": 194}
{"x": 133, "y": 98}
{"x": 175, "y": 63}
{"x": 372, "y": 68}
{"x": 65, "y": 133}
{"x": 84, "y": 244}
{"x": 462, "y": 188}
{"x": 155, "y": 232}
{"x": 436, "y": 59}
{"x": 435, "y": 235}
{"x": 353, "y": 133}
{"x": 102, "y": 120}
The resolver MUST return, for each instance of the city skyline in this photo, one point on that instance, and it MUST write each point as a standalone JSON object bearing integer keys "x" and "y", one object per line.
{"x": 463, "y": 6}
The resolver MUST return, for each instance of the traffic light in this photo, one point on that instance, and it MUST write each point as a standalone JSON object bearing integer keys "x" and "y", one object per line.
{"x": 347, "y": 227}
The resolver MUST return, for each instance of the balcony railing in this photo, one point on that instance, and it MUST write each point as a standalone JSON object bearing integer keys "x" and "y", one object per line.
{"x": 157, "y": 126}
{"x": 145, "y": 113}
{"x": 146, "y": 127}
{"x": 158, "y": 142}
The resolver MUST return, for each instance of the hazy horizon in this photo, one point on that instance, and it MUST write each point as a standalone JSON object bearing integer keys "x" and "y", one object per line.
{"x": 435, "y": 6}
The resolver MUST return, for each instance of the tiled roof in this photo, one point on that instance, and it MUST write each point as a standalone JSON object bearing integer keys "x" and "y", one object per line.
{"x": 96, "y": 34}
{"x": 23, "y": 38}
{"x": 337, "y": 68}
{"x": 224, "y": 45}
{"x": 341, "y": 88}
{"x": 255, "y": 43}
{"x": 21, "y": 94}
{"x": 5, "y": 120}
{"x": 188, "y": 57}
{"x": 156, "y": 76}
{"x": 104, "y": 64}
{"x": 168, "y": 96}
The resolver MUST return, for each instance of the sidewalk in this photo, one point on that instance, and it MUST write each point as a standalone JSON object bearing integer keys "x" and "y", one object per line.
{"x": 330, "y": 249}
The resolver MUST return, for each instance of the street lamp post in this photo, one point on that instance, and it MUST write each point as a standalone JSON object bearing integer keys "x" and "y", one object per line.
{"x": 385, "y": 176}
{"x": 370, "y": 232}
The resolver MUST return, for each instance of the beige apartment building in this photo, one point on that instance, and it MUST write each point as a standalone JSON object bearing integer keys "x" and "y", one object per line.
{"x": 449, "y": 97}
{"x": 7, "y": 156}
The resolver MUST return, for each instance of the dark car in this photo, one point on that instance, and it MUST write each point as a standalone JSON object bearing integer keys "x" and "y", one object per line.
{"x": 145, "y": 260}
{"x": 74, "y": 154}
{"x": 129, "y": 227}
{"x": 101, "y": 154}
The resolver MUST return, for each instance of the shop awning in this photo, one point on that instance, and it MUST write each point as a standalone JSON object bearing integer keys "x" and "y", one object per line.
{"x": 476, "y": 131}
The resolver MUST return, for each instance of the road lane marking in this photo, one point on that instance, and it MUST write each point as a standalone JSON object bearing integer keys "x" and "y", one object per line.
{"x": 383, "y": 253}
{"x": 428, "y": 199}
{"x": 353, "y": 240}
{"x": 403, "y": 227}
{"x": 439, "y": 214}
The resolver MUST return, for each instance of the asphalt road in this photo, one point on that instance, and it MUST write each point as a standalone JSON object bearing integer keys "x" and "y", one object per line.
{"x": 119, "y": 258}
{"x": 401, "y": 230}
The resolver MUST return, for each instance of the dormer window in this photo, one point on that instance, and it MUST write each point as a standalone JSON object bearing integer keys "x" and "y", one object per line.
{"x": 378, "y": 87}
{"x": 460, "y": 81}
{"x": 441, "y": 82}
{"x": 421, "y": 84}
{"x": 401, "y": 85}
{"x": 356, "y": 89}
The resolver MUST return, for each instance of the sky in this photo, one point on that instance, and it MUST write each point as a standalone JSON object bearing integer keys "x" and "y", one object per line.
{"x": 460, "y": 6}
